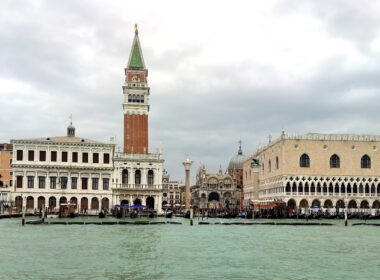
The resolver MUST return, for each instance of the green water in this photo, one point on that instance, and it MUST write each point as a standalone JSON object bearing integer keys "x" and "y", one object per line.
{"x": 185, "y": 252}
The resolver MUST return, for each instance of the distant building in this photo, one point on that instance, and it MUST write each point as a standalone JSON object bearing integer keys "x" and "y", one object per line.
{"x": 51, "y": 171}
{"x": 235, "y": 169}
{"x": 5, "y": 165}
{"x": 5, "y": 175}
{"x": 320, "y": 170}
{"x": 215, "y": 191}
{"x": 171, "y": 196}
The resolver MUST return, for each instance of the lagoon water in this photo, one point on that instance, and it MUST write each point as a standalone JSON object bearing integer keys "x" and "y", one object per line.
{"x": 185, "y": 252}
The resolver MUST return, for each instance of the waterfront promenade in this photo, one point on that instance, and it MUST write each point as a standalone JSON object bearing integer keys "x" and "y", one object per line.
{"x": 179, "y": 251}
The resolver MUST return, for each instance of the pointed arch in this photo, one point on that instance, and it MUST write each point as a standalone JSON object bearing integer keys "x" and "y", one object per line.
{"x": 355, "y": 189}
{"x": 365, "y": 162}
{"x": 366, "y": 189}
{"x": 287, "y": 188}
{"x": 364, "y": 204}
{"x": 304, "y": 203}
{"x": 316, "y": 203}
{"x": 328, "y": 204}
{"x": 334, "y": 161}
{"x": 305, "y": 161}
{"x": 352, "y": 204}
{"x": 294, "y": 187}
{"x": 342, "y": 189}
{"x": 292, "y": 204}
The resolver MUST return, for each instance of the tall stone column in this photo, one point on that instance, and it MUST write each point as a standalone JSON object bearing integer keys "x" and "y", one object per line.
{"x": 187, "y": 164}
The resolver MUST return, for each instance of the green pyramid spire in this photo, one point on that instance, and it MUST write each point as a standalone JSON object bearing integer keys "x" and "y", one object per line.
{"x": 136, "y": 59}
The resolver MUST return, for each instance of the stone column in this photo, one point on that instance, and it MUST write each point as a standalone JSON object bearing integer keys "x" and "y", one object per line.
{"x": 159, "y": 208}
{"x": 144, "y": 175}
{"x": 187, "y": 164}
{"x": 131, "y": 178}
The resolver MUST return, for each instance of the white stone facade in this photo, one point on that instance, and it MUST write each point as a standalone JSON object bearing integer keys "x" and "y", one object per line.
{"x": 137, "y": 178}
{"x": 332, "y": 171}
{"x": 50, "y": 171}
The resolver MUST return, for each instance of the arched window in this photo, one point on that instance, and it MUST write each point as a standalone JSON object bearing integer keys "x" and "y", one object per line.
{"x": 334, "y": 161}
{"x": 138, "y": 177}
{"x": 129, "y": 98}
{"x": 150, "y": 177}
{"x": 277, "y": 164}
{"x": 305, "y": 161}
{"x": 269, "y": 166}
{"x": 366, "y": 162}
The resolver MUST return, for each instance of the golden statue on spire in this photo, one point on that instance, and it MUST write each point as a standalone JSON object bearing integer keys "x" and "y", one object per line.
{"x": 136, "y": 31}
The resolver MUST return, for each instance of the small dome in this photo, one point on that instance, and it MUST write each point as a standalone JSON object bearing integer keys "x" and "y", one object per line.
{"x": 71, "y": 130}
{"x": 237, "y": 161}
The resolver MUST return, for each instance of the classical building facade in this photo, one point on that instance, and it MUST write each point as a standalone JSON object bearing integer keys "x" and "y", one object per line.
{"x": 51, "y": 171}
{"x": 326, "y": 170}
{"x": 137, "y": 174}
{"x": 214, "y": 191}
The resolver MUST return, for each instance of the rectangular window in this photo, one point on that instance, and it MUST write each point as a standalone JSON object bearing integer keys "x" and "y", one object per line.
{"x": 41, "y": 182}
{"x": 75, "y": 156}
{"x": 30, "y": 182}
{"x": 53, "y": 182}
{"x": 53, "y": 156}
{"x": 10, "y": 183}
{"x": 19, "y": 155}
{"x": 95, "y": 182}
{"x": 84, "y": 183}
{"x": 19, "y": 182}
{"x": 85, "y": 157}
{"x": 63, "y": 183}
{"x": 95, "y": 158}
{"x": 106, "y": 158}
{"x": 42, "y": 155}
{"x": 64, "y": 156}
{"x": 10, "y": 162}
{"x": 106, "y": 184}
{"x": 31, "y": 155}
{"x": 74, "y": 181}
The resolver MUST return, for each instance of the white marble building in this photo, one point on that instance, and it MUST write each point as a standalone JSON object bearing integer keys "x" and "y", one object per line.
{"x": 50, "y": 171}
{"x": 137, "y": 180}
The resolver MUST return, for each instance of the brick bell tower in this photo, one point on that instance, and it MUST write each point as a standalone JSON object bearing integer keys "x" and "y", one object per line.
{"x": 136, "y": 101}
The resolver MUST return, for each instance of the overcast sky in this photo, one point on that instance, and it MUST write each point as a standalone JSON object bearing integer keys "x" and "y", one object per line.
{"x": 219, "y": 71}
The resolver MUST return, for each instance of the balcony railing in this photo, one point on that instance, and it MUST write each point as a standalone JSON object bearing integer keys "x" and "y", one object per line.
{"x": 139, "y": 186}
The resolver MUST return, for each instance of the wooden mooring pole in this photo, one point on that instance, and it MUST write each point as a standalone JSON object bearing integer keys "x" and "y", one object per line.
{"x": 345, "y": 217}
{"x": 23, "y": 216}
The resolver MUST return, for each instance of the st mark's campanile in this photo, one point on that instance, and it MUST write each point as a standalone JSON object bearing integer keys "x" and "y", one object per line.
{"x": 136, "y": 101}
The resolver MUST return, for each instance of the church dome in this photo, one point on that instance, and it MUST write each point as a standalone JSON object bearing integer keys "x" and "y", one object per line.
{"x": 237, "y": 161}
